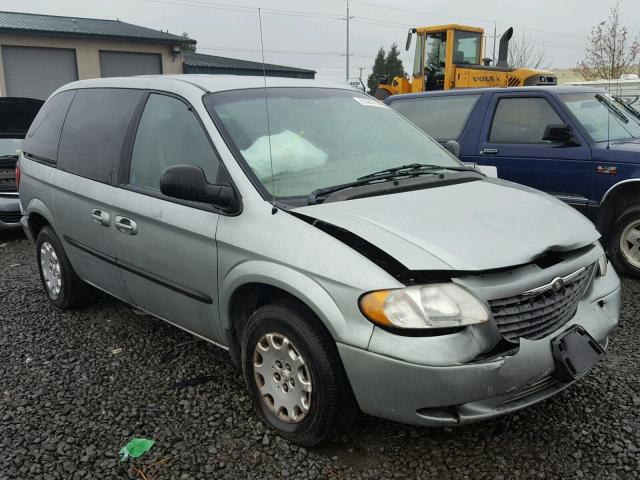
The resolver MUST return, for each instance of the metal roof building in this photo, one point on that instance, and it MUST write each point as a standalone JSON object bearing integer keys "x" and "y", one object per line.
{"x": 212, "y": 64}
{"x": 39, "y": 53}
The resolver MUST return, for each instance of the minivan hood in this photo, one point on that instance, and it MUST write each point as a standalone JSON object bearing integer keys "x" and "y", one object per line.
{"x": 481, "y": 225}
{"x": 16, "y": 115}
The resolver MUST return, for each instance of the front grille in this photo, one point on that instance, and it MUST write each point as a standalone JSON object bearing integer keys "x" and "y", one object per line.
{"x": 535, "y": 316}
{"x": 10, "y": 217}
{"x": 7, "y": 180}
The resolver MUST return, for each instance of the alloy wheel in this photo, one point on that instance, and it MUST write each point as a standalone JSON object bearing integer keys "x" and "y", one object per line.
{"x": 630, "y": 243}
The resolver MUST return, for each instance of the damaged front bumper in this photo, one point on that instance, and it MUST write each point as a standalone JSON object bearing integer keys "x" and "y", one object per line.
{"x": 417, "y": 381}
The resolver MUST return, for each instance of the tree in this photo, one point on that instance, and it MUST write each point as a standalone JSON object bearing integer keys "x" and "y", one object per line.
{"x": 378, "y": 71}
{"x": 610, "y": 51}
{"x": 387, "y": 65}
{"x": 393, "y": 64}
{"x": 188, "y": 47}
{"x": 524, "y": 53}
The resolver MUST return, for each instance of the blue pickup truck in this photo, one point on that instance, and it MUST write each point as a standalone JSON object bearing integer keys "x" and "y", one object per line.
{"x": 577, "y": 143}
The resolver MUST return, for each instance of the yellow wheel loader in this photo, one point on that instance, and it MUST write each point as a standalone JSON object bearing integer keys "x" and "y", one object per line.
{"x": 451, "y": 56}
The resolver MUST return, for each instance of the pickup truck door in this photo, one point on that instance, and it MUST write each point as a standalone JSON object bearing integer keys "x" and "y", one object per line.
{"x": 511, "y": 140}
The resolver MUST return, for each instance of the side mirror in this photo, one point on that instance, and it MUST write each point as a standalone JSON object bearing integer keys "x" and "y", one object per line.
{"x": 187, "y": 182}
{"x": 409, "y": 35}
{"x": 559, "y": 133}
{"x": 453, "y": 147}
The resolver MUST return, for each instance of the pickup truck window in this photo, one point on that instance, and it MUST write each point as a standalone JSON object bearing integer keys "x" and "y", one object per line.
{"x": 522, "y": 120}
{"x": 426, "y": 113}
{"x": 602, "y": 116}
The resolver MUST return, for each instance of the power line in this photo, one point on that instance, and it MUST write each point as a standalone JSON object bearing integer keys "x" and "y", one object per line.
{"x": 294, "y": 52}
{"x": 245, "y": 8}
{"x": 458, "y": 17}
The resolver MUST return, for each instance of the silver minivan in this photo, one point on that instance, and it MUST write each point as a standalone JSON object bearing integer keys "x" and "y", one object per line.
{"x": 342, "y": 257}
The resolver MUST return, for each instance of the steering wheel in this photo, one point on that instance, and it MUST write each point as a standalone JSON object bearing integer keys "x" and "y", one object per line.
{"x": 431, "y": 67}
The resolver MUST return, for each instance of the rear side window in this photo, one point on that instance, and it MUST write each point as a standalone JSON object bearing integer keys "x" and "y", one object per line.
{"x": 94, "y": 132}
{"x": 169, "y": 134}
{"x": 441, "y": 117}
{"x": 522, "y": 120}
{"x": 43, "y": 137}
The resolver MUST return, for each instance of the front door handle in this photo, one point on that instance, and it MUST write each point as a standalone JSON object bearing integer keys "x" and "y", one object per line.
{"x": 103, "y": 218}
{"x": 126, "y": 225}
{"x": 488, "y": 151}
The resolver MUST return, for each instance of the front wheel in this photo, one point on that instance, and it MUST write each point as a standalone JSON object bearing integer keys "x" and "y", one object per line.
{"x": 624, "y": 242}
{"x": 294, "y": 374}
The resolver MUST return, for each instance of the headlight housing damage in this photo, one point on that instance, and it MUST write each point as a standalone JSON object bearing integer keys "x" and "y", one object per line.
{"x": 440, "y": 305}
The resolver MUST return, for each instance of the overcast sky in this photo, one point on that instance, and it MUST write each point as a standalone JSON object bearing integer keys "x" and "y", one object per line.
{"x": 311, "y": 34}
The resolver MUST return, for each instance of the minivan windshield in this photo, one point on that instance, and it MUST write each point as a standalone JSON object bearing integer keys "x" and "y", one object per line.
{"x": 320, "y": 137}
{"x": 602, "y": 116}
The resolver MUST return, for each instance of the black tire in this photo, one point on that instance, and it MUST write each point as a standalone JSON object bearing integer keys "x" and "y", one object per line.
{"x": 381, "y": 94}
{"x": 332, "y": 404}
{"x": 616, "y": 255}
{"x": 73, "y": 292}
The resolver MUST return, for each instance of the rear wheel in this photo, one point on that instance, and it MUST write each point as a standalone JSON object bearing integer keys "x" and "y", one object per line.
{"x": 294, "y": 374}
{"x": 624, "y": 242}
{"x": 62, "y": 285}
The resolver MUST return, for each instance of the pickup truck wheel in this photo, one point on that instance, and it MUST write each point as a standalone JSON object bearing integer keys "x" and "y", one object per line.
{"x": 62, "y": 285}
{"x": 294, "y": 374}
{"x": 624, "y": 242}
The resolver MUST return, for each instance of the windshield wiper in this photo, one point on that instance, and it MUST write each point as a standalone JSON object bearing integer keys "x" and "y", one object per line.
{"x": 9, "y": 157}
{"x": 612, "y": 108}
{"x": 627, "y": 107}
{"x": 413, "y": 169}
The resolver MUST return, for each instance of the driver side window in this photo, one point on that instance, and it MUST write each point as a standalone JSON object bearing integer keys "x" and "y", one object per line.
{"x": 169, "y": 134}
{"x": 522, "y": 120}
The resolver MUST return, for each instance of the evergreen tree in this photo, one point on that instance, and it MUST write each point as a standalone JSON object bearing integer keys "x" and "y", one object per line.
{"x": 188, "y": 47}
{"x": 378, "y": 71}
{"x": 393, "y": 64}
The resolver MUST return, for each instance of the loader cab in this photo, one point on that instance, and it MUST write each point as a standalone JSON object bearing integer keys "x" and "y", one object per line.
{"x": 438, "y": 50}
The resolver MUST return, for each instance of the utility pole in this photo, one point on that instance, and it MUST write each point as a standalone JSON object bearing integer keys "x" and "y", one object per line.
{"x": 494, "y": 43}
{"x": 348, "y": 54}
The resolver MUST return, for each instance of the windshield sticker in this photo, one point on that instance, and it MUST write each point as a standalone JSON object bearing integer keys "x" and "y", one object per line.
{"x": 369, "y": 102}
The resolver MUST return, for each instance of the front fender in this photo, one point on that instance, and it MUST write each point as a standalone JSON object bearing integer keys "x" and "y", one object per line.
{"x": 304, "y": 288}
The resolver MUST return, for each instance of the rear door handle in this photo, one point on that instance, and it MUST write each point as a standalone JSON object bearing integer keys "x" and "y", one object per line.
{"x": 103, "y": 218}
{"x": 126, "y": 225}
{"x": 488, "y": 151}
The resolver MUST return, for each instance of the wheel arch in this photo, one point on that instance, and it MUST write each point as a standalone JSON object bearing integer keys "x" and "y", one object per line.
{"x": 39, "y": 216}
{"x": 253, "y": 284}
{"x": 617, "y": 199}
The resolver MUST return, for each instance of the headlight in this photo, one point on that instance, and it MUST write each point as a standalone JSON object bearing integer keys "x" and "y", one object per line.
{"x": 439, "y": 305}
{"x": 602, "y": 265}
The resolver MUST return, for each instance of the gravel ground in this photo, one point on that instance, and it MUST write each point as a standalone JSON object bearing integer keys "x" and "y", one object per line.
{"x": 76, "y": 386}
